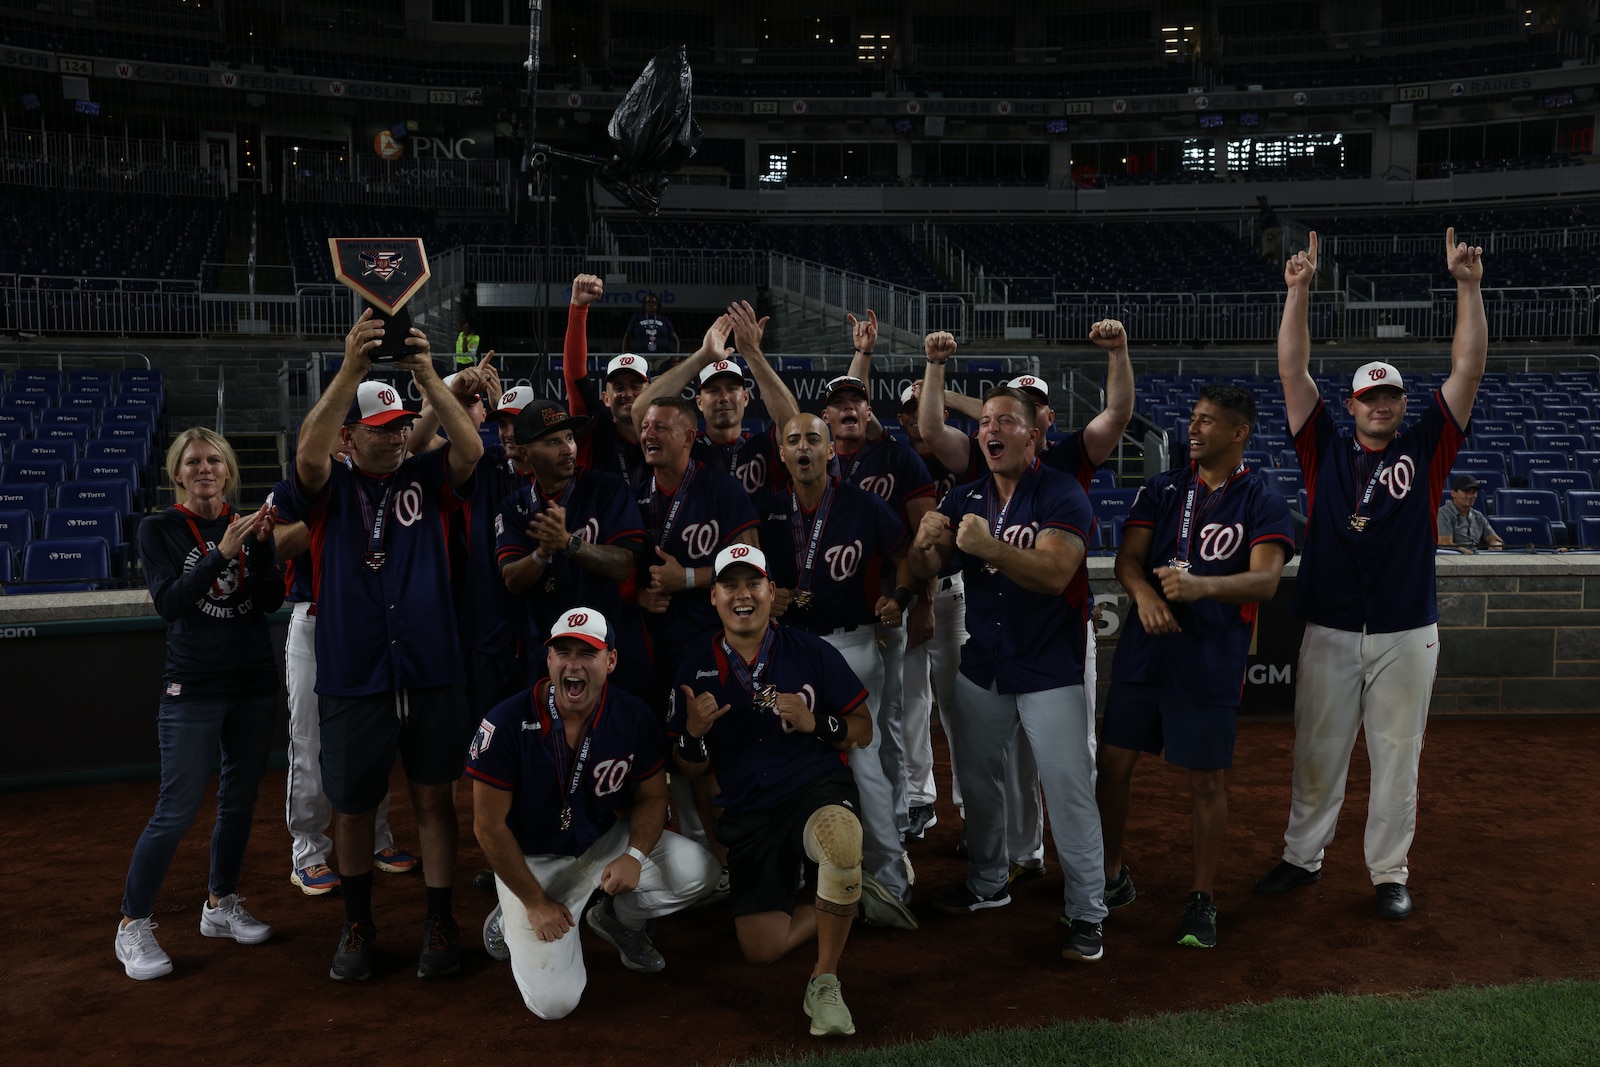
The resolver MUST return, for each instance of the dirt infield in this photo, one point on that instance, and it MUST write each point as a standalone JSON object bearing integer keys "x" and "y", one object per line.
{"x": 1504, "y": 878}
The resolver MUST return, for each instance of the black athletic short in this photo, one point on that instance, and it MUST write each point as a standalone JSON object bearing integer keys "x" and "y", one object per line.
{"x": 765, "y": 852}
{"x": 430, "y": 729}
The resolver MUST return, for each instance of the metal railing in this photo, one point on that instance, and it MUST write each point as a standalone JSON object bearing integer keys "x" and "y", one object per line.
{"x": 50, "y": 160}
{"x": 520, "y": 264}
{"x": 828, "y": 294}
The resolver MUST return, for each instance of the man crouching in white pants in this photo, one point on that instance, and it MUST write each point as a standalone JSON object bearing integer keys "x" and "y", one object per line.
{"x": 568, "y": 795}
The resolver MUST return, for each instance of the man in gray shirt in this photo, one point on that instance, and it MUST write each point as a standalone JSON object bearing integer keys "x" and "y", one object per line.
{"x": 1461, "y": 525}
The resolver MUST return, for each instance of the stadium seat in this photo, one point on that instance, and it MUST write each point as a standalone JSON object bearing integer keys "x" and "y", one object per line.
{"x": 25, "y": 496}
{"x": 33, "y": 395}
{"x": 42, "y": 471}
{"x": 63, "y": 431}
{"x": 1104, "y": 479}
{"x": 1499, "y": 442}
{"x": 1559, "y": 482}
{"x": 1569, "y": 443}
{"x": 129, "y": 413}
{"x": 1520, "y": 463}
{"x": 23, "y": 415}
{"x": 1474, "y": 461}
{"x": 1302, "y": 502}
{"x": 1519, "y": 531}
{"x": 1492, "y": 426}
{"x": 51, "y": 448}
{"x": 1588, "y": 460}
{"x": 114, "y": 493}
{"x": 47, "y": 376}
{"x": 68, "y": 565}
{"x": 93, "y": 402}
{"x": 1286, "y": 483}
{"x": 96, "y": 470}
{"x": 1109, "y": 503}
{"x": 118, "y": 448}
{"x": 1589, "y": 531}
{"x": 83, "y": 416}
{"x": 1582, "y": 504}
{"x": 104, "y": 523}
{"x": 1527, "y": 503}
{"x": 8, "y": 567}
{"x": 1116, "y": 530}
{"x": 126, "y": 431}
{"x": 1532, "y": 427}
{"x": 1568, "y": 413}
{"x": 16, "y": 530}
{"x": 1259, "y": 459}
{"x": 91, "y": 381}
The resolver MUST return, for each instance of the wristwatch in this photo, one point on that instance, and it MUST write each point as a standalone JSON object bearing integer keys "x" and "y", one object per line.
{"x": 573, "y": 544}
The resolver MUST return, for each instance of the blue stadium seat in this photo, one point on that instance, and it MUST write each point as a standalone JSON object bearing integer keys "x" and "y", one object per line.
{"x": 1588, "y": 460}
{"x": 1302, "y": 502}
{"x": 1109, "y": 503}
{"x": 16, "y": 530}
{"x": 63, "y": 431}
{"x": 1285, "y": 482}
{"x": 22, "y": 411}
{"x": 8, "y": 568}
{"x": 1104, "y": 479}
{"x": 1538, "y": 426}
{"x": 91, "y": 381}
{"x": 1258, "y": 458}
{"x": 53, "y": 448}
{"x": 1560, "y": 482}
{"x": 83, "y": 416}
{"x": 1493, "y": 426}
{"x": 96, "y": 470}
{"x": 1523, "y": 462}
{"x": 1531, "y": 502}
{"x": 126, "y": 431}
{"x": 1589, "y": 531}
{"x": 135, "y": 449}
{"x": 1474, "y": 461}
{"x": 34, "y": 395}
{"x": 1116, "y": 530}
{"x": 1582, "y": 504}
{"x": 114, "y": 493}
{"x": 1569, "y": 443}
{"x": 31, "y": 497}
{"x": 48, "y": 376}
{"x": 1568, "y": 412}
{"x": 127, "y": 413}
{"x": 94, "y": 402}
{"x": 68, "y": 565}
{"x": 1499, "y": 442}
{"x": 1522, "y": 530}
{"x": 43, "y": 471}
{"x": 104, "y": 523}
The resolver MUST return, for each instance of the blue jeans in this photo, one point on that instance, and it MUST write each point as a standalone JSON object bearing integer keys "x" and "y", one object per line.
{"x": 190, "y": 733}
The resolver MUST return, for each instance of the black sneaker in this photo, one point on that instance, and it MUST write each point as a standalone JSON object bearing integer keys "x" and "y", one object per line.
{"x": 922, "y": 819}
{"x": 353, "y": 961}
{"x": 441, "y": 947}
{"x": 1119, "y": 891}
{"x": 1083, "y": 942}
{"x": 1199, "y": 926}
{"x": 483, "y": 882}
{"x": 959, "y": 900}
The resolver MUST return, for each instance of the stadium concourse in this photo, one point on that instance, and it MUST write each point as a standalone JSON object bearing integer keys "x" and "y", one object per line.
{"x": 1505, "y": 895}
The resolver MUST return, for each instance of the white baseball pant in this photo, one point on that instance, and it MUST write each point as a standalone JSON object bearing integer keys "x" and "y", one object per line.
{"x": 883, "y": 855}
{"x": 550, "y": 974}
{"x": 1024, "y": 812}
{"x": 1348, "y": 681}
{"x": 931, "y": 671}
{"x": 890, "y": 721}
{"x": 1057, "y": 725}
{"x": 305, "y": 806}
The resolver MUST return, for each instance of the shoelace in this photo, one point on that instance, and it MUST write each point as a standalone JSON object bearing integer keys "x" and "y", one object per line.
{"x": 829, "y": 993}
{"x": 438, "y": 940}
{"x": 357, "y": 938}
{"x": 144, "y": 937}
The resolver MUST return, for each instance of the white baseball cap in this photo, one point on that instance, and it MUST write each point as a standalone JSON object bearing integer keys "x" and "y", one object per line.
{"x": 585, "y": 624}
{"x": 907, "y": 395}
{"x": 628, "y": 361}
{"x": 721, "y": 366}
{"x": 1028, "y": 381}
{"x": 1372, "y": 375}
{"x": 736, "y": 555}
{"x": 377, "y": 404}
{"x": 513, "y": 400}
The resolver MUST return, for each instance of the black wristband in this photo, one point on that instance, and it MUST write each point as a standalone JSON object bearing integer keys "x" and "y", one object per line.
{"x": 903, "y": 597}
{"x": 830, "y": 728}
{"x": 692, "y": 749}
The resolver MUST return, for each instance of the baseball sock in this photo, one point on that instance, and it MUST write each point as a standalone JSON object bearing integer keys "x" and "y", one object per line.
{"x": 357, "y": 897}
{"x": 439, "y": 899}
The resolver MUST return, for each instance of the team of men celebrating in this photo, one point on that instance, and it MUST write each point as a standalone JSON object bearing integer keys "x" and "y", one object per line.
{"x": 738, "y": 633}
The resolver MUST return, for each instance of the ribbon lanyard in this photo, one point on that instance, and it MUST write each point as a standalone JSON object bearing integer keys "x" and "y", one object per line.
{"x": 188, "y": 517}
{"x": 1186, "y": 524}
{"x": 763, "y": 696}
{"x": 855, "y": 465}
{"x": 733, "y": 450}
{"x": 807, "y": 542}
{"x": 1358, "y": 521}
{"x": 569, "y": 788}
{"x": 622, "y": 460}
{"x": 374, "y": 521}
{"x": 677, "y": 502}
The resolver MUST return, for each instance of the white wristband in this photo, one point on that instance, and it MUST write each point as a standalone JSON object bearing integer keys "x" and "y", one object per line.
{"x": 540, "y": 560}
{"x": 688, "y": 577}
{"x": 636, "y": 854}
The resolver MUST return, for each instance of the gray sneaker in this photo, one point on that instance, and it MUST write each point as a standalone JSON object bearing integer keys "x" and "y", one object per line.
{"x": 824, "y": 1005}
{"x": 634, "y": 946}
{"x": 881, "y": 907}
{"x": 494, "y": 935}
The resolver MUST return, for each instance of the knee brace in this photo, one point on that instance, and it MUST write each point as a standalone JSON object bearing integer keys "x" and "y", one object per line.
{"x": 832, "y": 838}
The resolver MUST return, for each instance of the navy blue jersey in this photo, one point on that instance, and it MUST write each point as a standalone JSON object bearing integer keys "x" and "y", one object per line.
{"x": 600, "y": 511}
{"x": 296, "y": 571}
{"x": 215, "y": 606}
{"x": 392, "y": 627}
{"x": 848, "y": 563}
{"x": 521, "y": 747}
{"x": 648, "y": 333}
{"x": 491, "y": 619}
{"x": 945, "y": 479}
{"x": 758, "y": 763}
{"x": 1022, "y": 641}
{"x": 602, "y": 448}
{"x": 1207, "y": 659}
{"x": 891, "y": 469}
{"x": 1380, "y": 578}
{"x": 711, "y": 514}
{"x": 1068, "y": 457}
{"x": 750, "y": 459}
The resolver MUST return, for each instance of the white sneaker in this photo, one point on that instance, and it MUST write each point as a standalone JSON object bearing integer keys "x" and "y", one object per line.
{"x": 229, "y": 919}
{"x": 139, "y": 953}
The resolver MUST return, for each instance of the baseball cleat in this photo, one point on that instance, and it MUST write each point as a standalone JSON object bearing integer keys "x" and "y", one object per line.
{"x": 633, "y": 946}
{"x": 494, "y": 935}
{"x": 393, "y": 861}
{"x": 1198, "y": 929}
{"x": 1119, "y": 890}
{"x": 229, "y": 919}
{"x": 441, "y": 947}
{"x": 1083, "y": 942}
{"x": 959, "y": 900}
{"x": 824, "y": 1006}
{"x": 138, "y": 951}
{"x": 922, "y": 819}
{"x": 881, "y": 907}
{"x": 1286, "y": 876}
{"x": 1394, "y": 901}
{"x": 352, "y": 961}
{"x": 315, "y": 880}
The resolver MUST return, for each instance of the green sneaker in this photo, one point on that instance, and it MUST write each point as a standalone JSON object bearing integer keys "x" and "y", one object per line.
{"x": 1199, "y": 926}
{"x": 825, "y": 1008}
{"x": 881, "y": 907}
{"x": 1119, "y": 890}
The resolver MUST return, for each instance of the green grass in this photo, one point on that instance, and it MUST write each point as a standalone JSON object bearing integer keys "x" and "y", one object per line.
{"x": 1534, "y": 1023}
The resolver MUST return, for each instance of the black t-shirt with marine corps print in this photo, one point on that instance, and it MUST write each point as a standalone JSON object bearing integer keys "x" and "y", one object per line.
{"x": 216, "y": 611}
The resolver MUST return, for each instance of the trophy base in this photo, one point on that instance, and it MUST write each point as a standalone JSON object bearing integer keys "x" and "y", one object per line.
{"x": 396, "y": 328}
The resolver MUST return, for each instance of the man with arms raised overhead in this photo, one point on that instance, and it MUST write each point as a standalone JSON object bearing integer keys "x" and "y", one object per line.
{"x": 1366, "y": 585}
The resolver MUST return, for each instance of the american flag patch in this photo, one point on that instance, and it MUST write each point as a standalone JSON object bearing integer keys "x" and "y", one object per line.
{"x": 174, "y": 688}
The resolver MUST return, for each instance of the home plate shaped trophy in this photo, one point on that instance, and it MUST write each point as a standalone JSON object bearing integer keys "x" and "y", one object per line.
{"x": 385, "y": 272}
